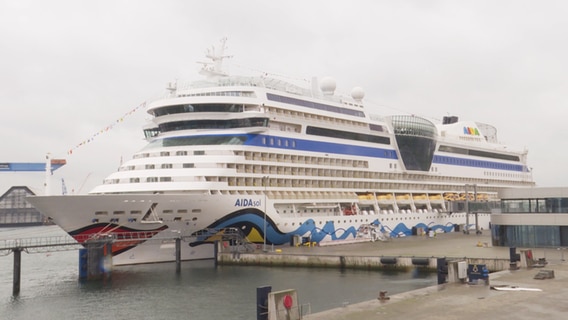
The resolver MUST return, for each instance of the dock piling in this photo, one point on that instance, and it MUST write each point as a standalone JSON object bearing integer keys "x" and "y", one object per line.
{"x": 178, "y": 255}
{"x": 95, "y": 260}
{"x": 262, "y": 302}
{"x": 17, "y": 271}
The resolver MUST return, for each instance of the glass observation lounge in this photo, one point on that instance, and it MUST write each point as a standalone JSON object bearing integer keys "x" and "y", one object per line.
{"x": 416, "y": 140}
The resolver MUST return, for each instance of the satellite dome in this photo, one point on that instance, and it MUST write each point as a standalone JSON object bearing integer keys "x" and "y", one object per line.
{"x": 327, "y": 85}
{"x": 357, "y": 93}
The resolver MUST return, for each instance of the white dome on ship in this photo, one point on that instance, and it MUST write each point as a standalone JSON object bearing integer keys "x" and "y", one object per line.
{"x": 327, "y": 85}
{"x": 357, "y": 93}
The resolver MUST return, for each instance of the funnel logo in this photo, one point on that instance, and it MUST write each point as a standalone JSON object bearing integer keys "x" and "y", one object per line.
{"x": 471, "y": 131}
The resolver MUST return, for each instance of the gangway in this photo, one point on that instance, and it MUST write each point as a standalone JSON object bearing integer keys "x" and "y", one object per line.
{"x": 234, "y": 236}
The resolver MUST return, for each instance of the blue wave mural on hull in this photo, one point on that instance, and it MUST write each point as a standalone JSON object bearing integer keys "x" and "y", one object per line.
{"x": 250, "y": 218}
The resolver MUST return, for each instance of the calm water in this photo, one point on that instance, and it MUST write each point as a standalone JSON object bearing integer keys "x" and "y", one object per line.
{"x": 50, "y": 289}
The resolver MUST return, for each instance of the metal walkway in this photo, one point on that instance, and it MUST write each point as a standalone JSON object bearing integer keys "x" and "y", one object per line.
{"x": 64, "y": 243}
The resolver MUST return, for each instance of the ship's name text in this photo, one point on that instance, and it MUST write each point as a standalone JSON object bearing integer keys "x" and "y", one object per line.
{"x": 247, "y": 203}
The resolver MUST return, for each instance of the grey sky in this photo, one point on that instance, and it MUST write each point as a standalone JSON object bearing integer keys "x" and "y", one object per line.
{"x": 68, "y": 69}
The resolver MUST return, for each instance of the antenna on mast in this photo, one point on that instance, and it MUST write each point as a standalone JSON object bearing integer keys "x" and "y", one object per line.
{"x": 214, "y": 68}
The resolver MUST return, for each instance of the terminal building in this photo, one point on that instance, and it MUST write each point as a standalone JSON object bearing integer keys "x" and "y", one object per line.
{"x": 531, "y": 217}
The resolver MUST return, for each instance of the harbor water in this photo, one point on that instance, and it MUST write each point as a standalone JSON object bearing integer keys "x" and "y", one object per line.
{"x": 50, "y": 288}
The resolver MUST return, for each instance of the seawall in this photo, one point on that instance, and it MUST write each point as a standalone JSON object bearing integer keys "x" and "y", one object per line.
{"x": 354, "y": 261}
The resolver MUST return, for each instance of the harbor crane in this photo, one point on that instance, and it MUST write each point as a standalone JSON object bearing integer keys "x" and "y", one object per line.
{"x": 48, "y": 167}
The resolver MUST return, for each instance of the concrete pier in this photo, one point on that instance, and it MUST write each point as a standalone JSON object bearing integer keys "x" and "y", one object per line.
{"x": 448, "y": 301}
{"x": 400, "y": 253}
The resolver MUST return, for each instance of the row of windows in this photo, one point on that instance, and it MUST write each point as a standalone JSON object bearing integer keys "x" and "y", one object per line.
{"x": 198, "y": 107}
{"x": 529, "y": 236}
{"x": 377, "y": 127}
{"x": 385, "y": 177}
{"x": 478, "y": 153}
{"x": 221, "y": 94}
{"x": 300, "y": 159}
{"x": 279, "y": 142}
{"x": 332, "y": 121}
{"x": 368, "y": 184}
{"x": 179, "y": 153}
{"x": 546, "y": 205}
{"x": 314, "y": 105}
{"x": 509, "y": 175}
{"x": 197, "y": 141}
{"x": 479, "y": 163}
{"x": 138, "y": 212}
{"x": 138, "y": 180}
{"x": 117, "y": 220}
{"x": 362, "y": 220}
{"x": 213, "y": 124}
{"x": 339, "y": 134}
{"x": 159, "y": 166}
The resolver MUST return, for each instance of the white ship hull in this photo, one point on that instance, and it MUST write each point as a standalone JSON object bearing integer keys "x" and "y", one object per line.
{"x": 191, "y": 214}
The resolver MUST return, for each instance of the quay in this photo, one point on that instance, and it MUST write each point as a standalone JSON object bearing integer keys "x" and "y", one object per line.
{"x": 449, "y": 300}
{"x": 395, "y": 253}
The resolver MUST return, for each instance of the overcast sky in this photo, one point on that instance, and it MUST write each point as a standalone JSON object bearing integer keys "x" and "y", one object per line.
{"x": 69, "y": 69}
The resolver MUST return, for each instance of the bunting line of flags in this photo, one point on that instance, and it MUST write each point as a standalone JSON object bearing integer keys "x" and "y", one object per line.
{"x": 107, "y": 128}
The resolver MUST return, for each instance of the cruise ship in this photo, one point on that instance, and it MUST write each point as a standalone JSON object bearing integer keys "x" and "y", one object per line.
{"x": 279, "y": 161}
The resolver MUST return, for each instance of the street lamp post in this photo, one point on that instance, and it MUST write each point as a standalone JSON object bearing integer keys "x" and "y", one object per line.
{"x": 467, "y": 208}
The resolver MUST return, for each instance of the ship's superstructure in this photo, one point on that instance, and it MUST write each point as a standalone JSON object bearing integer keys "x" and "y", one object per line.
{"x": 277, "y": 160}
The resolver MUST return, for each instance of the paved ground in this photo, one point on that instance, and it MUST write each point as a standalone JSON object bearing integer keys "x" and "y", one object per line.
{"x": 455, "y": 244}
{"x": 458, "y": 301}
